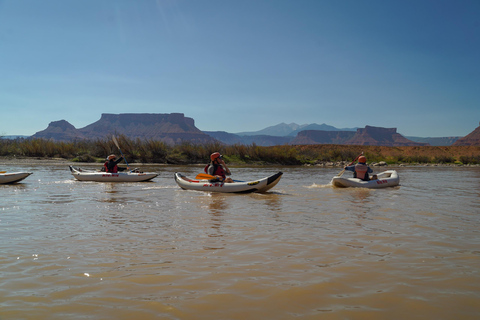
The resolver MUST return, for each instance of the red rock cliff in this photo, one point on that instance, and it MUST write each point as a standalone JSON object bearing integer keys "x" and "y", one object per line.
{"x": 472, "y": 139}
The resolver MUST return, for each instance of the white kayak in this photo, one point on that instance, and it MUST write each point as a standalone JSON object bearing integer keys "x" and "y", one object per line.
{"x": 13, "y": 177}
{"x": 261, "y": 185}
{"x": 384, "y": 179}
{"x": 99, "y": 176}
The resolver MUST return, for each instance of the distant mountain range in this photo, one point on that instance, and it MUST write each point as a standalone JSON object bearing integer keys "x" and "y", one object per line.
{"x": 360, "y": 136}
{"x": 442, "y": 141}
{"x": 291, "y": 130}
{"x": 176, "y": 128}
{"x": 320, "y": 134}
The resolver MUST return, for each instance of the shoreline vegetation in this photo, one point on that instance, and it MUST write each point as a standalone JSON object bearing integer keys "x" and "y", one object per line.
{"x": 157, "y": 152}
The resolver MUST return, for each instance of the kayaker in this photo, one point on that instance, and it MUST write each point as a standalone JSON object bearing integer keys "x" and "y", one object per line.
{"x": 218, "y": 168}
{"x": 111, "y": 164}
{"x": 361, "y": 170}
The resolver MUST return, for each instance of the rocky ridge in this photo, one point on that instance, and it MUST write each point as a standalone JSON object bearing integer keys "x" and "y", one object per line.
{"x": 171, "y": 128}
{"x": 471, "y": 139}
{"x": 368, "y": 136}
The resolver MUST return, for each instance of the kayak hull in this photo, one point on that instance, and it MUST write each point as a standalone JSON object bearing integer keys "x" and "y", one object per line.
{"x": 13, "y": 177}
{"x": 260, "y": 186}
{"x": 385, "y": 179}
{"x": 98, "y": 176}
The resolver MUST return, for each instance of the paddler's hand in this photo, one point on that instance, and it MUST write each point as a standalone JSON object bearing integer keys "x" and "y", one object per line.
{"x": 227, "y": 171}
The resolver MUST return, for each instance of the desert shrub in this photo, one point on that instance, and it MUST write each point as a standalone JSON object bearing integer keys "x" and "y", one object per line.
{"x": 153, "y": 151}
{"x": 101, "y": 148}
{"x": 392, "y": 159}
{"x": 443, "y": 159}
{"x": 240, "y": 152}
{"x": 84, "y": 158}
{"x": 190, "y": 152}
{"x": 418, "y": 159}
{"x": 177, "y": 158}
{"x": 470, "y": 159}
{"x": 33, "y": 148}
{"x": 8, "y": 147}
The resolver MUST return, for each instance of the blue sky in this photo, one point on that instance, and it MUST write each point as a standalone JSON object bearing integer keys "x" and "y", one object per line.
{"x": 243, "y": 65}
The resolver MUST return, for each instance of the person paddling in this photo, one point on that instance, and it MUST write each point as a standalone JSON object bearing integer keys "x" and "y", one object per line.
{"x": 361, "y": 169}
{"x": 218, "y": 168}
{"x": 111, "y": 165}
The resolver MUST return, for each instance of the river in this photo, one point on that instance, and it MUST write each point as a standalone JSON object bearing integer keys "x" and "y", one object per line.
{"x": 304, "y": 250}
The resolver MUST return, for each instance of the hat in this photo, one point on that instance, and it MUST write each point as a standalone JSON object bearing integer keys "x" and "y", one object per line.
{"x": 215, "y": 155}
{"x": 112, "y": 156}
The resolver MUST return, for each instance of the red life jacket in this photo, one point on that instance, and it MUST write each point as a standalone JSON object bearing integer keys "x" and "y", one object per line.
{"x": 115, "y": 168}
{"x": 361, "y": 171}
{"x": 217, "y": 170}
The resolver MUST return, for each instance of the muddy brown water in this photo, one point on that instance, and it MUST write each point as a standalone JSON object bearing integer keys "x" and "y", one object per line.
{"x": 304, "y": 250}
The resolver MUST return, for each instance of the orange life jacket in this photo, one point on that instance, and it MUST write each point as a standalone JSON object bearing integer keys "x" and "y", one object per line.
{"x": 361, "y": 171}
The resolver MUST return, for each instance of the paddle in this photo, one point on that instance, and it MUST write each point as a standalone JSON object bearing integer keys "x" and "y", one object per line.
{"x": 204, "y": 176}
{"x": 116, "y": 143}
{"x": 3, "y": 171}
{"x": 341, "y": 173}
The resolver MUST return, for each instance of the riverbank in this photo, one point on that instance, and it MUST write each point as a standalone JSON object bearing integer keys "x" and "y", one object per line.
{"x": 5, "y": 161}
{"x": 8, "y": 161}
{"x": 157, "y": 152}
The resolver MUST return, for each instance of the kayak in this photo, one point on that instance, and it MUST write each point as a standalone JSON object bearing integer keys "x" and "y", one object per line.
{"x": 261, "y": 185}
{"x": 99, "y": 176}
{"x": 384, "y": 179}
{"x": 13, "y": 177}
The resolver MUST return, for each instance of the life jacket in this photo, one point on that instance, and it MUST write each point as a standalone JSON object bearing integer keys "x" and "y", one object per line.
{"x": 114, "y": 170}
{"x": 361, "y": 171}
{"x": 217, "y": 170}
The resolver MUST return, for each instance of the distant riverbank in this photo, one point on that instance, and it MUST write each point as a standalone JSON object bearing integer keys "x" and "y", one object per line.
{"x": 157, "y": 152}
{"x": 422, "y": 157}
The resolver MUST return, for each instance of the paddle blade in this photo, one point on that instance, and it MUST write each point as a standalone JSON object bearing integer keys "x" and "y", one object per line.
{"x": 204, "y": 176}
{"x": 115, "y": 141}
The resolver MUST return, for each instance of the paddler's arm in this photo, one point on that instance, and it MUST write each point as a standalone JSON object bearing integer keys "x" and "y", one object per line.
{"x": 227, "y": 171}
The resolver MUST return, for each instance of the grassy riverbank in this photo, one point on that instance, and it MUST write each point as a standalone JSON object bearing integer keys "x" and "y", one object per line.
{"x": 152, "y": 151}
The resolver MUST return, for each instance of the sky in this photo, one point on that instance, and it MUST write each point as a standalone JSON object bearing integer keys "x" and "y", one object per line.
{"x": 245, "y": 65}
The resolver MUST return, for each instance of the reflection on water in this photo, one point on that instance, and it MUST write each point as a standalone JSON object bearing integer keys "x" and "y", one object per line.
{"x": 271, "y": 200}
{"x": 217, "y": 207}
{"x": 218, "y": 203}
{"x": 111, "y": 194}
{"x": 361, "y": 195}
{"x": 81, "y": 250}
